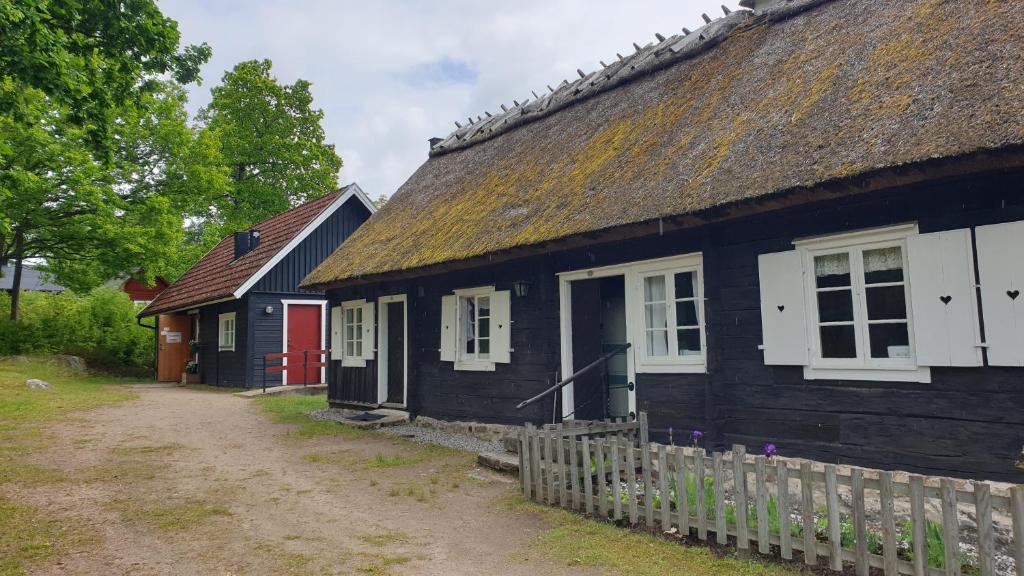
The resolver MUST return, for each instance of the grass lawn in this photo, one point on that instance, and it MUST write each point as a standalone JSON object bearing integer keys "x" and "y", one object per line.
{"x": 294, "y": 409}
{"x": 26, "y": 533}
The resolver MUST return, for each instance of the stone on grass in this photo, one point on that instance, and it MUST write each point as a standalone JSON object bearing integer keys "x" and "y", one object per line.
{"x": 71, "y": 362}
{"x": 36, "y": 384}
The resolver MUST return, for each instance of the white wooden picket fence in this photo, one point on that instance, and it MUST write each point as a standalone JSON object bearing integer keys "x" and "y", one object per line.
{"x": 561, "y": 465}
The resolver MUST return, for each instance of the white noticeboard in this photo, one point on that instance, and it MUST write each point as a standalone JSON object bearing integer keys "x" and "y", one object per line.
{"x": 173, "y": 337}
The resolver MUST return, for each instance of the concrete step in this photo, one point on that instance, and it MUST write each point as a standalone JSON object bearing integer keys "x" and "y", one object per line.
{"x": 292, "y": 389}
{"x": 504, "y": 462}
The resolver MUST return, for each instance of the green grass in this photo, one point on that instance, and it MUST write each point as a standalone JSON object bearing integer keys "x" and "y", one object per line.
{"x": 175, "y": 517}
{"x": 385, "y": 538}
{"x": 288, "y": 409}
{"x": 27, "y": 534}
{"x": 578, "y": 541}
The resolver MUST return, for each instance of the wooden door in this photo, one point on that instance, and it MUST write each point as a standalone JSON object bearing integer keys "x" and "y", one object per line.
{"x": 173, "y": 334}
{"x": 304, "y": 334}
{"x": 396, "y": 352}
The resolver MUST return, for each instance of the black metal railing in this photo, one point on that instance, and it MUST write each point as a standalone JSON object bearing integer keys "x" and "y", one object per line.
{"x": 586, "y": 369}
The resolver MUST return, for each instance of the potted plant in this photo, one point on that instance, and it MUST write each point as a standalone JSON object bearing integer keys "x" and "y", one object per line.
{"x": 192, "y": 372}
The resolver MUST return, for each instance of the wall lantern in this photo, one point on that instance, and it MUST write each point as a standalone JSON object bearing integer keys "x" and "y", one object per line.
{"x": 521, "y": 288}
{"x": 269, "y": 309}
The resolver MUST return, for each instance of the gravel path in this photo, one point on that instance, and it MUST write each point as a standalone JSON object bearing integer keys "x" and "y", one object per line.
{"x": 417, "y": 433}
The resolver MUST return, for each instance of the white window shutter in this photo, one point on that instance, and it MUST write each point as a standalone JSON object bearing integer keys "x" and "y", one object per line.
{"x": 368, "y": 330}
{"x": 1001, "y": 267}
{"x": 448, "y": 307}
{"x": 783, "y": 315}
{"x": 943, "y": 300}
{"x": 501, "y": 327}
{"x": 336, "y": 342}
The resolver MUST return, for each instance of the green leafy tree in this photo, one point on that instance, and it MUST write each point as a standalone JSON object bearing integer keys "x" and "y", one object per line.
{"x": 91, "y": 57}
{"x": 272, "y": 142}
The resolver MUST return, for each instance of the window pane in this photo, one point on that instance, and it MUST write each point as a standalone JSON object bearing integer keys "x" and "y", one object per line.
{"x": 883, "y": 265}
{"x": 359, "y": 315}
{"x": 686, "y": 313}
{"x": 838, "y": 342}
{"x": 485, "y": 346}
{"x": 685, "y": 285}
{"x": 832, "y": 270}
{"x": 656, "y": 316}
{"x": 350, "y": 349}
{"x": 654, "y": 289}
{"x": 349, "y": 332}
{"x": 889, "y": 340}
{"x": 689, "y": 342}
{"x": 349, "y": 315}
{"x": 484, "y": 327}
{"x": 485, "y": 306}
{"x": 886, "y": 303}
{"x": 359, "y": 347}
{"x": 470, "y": 346}
{"x": 836, "y": 306}
{"x": 657, "y": 342}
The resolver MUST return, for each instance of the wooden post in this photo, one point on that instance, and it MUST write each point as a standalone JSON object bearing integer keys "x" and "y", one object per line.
{"x": 834, "y": 529}
{"x": 760, "y": 470}
{"x": 616, "y": 481}
{"x": 549, "y": 442}
{"x": 739, "y": 475}
{"x": 918, "y": 530}
{"x": 588, "y": 477}
{"x": 645, "y": 463}
{"x": 859, "y": 522}
{"x": 563, "y": 478}
{"x": 721, "y": 530}
{"x": 631, "y": 483}
{"x": 1017, "y": 513}
{"x": 602, "y": 479}
{"x": 663, "y": 489}
{"x": 785, "y": 530}
{"x": 986, "y": 539}
{"x": 890, "y": 562}
{"x": 950, "y": 526}
{"x": 574, "y": 475}
{"x": 807, "y": 510}
{"x": 682, "y": 503}
{"x": 525, "y": 476}
{"x": 698, "y": 478}
{"x": 645, "y": 437}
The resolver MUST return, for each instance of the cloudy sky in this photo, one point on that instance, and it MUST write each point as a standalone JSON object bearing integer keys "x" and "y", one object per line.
{"x": 391, "y": 74}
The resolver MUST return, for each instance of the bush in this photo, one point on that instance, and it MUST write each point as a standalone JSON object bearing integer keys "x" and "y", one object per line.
{"x": 99, "y": 326}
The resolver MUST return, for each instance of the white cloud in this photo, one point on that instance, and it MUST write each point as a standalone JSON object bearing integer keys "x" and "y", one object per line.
{"x": 391, "y": 74}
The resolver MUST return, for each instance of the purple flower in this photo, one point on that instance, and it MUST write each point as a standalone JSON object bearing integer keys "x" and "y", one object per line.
{"x": 695, "y": 437}
{"x": 770, "y": 450}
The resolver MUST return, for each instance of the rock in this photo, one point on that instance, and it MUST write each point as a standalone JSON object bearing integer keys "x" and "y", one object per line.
{"x": 36, "y": 384}
{"x": 505, "y": 463}
{"x": 71, "y": 362}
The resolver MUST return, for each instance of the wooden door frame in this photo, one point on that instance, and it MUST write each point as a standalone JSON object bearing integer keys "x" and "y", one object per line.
{"x": 284, "y": 333}
{"x": 382, "y": 347}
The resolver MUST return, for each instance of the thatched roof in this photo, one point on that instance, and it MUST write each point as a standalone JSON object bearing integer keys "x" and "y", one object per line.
{"x": 751, "y": 105}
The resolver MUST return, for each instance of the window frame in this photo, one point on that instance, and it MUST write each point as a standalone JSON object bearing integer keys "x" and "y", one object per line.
{"x": 673, "y": 362}
{"x": 463, "y": 359}
{"x": 222, "y": 320}
{"x": 863, "y": 367}
{"x": 357, "y": 359}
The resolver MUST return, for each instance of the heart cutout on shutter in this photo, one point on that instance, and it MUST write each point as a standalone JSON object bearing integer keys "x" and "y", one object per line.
{"x": 781, "y": 307}
{"x": 1013, "y": 294}
{"x": 945, "y": 299}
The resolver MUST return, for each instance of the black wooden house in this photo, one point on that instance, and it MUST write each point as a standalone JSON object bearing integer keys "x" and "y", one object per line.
{"x": 806, "y": 220}
{"x": 242, "y": 300}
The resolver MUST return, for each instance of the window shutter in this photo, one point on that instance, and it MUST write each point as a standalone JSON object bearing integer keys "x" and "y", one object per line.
{"x": 368, "y": 330}
{"x": 448, "y": 306}
{"x": 943, "y": 300}
{"x": 501, "y": 327}
{"x": 783, "y": 316}
{"x": 1002, "y": 291}
{"x": 336, "y": 341}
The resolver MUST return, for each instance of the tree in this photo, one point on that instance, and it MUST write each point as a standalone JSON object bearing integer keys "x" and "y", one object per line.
{"x": 272, "y": 143}
{"x": 91, "y": 57}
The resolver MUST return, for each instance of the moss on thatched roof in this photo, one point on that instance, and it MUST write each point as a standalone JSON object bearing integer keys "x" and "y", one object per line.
{"x": 839, "y": 89}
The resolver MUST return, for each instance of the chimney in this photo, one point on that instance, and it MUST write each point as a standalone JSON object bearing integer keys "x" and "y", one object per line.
{"x": 246, "y": 241}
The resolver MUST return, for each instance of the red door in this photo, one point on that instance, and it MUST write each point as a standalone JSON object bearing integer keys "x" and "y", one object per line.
{"x": 304, "y": 329}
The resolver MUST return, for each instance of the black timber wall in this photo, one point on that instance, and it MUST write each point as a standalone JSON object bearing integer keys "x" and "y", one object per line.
{"x": 266, "y": 332}
{"x": 223, "y": 368}
{"x": 966, "y": 422}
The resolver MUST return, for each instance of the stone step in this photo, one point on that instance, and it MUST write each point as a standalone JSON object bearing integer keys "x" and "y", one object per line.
{"x": 505, "y": 462}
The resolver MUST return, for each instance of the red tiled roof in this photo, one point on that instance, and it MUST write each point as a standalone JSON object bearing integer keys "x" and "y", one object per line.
{"x": 217, "y": 275}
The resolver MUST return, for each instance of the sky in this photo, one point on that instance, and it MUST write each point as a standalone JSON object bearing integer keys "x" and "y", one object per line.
{"x": 390, "y": 74}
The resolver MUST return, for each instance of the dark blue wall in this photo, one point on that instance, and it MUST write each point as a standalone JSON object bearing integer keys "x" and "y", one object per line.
{"x": 223, "y": 368}
{"x": 966, "y": 422}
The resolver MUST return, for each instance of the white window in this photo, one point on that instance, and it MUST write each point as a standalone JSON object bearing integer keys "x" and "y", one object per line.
{"x": 356, "y": 333}
{"x": 670, "y": 309}
{"x": 475, "y": 328}
{"x": 226, "y": 338}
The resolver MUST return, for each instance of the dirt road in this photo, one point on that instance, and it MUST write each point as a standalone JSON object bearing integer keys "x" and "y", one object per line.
{"x": 193, "y": 482}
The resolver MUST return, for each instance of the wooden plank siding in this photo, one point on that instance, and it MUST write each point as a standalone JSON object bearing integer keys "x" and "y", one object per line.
{"x": 966, "y": 422}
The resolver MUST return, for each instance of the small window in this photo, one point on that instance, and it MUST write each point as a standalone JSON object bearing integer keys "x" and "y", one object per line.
{"x": 476, "y": 328}
{"x": 672, "y": 318}
{"x": 475, "y": 320}
{"x": 226, "y": 338}
{"x": 352, "y": 333}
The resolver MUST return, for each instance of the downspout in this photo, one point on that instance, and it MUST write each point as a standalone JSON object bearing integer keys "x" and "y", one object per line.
{"x": 156, "y": 342}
